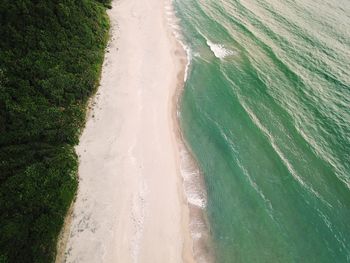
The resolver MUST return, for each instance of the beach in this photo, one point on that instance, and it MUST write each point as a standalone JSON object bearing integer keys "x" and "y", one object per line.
{"x": 130, "y": 205}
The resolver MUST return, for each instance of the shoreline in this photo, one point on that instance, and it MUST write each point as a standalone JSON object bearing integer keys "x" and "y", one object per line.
{"x": 77, "y": 247}
{"x": 193, "y": 184}
{"x": 194, "y": 193}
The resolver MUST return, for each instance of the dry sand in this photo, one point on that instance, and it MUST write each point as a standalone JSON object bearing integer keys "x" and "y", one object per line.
{"x": 130, "y": 204}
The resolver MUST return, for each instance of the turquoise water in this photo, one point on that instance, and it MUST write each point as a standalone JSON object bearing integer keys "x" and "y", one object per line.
{"x": 266, "y": 112}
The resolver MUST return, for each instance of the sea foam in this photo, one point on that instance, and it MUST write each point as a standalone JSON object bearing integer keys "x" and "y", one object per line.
{"x": 192, "y": 180}
{"x": 173, "y": 22}
{"x": 219, "y": 50}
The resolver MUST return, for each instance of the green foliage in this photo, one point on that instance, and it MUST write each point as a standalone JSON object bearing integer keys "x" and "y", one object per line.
{"x": 106, "y": 3}
{"x": 51, "y": 54}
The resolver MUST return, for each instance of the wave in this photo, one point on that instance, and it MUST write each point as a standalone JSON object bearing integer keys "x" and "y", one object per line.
{"x": 219, "y": 50}
{"x": 193, "y": 182}
{"x": 173, "y": 22}
{"x": 266, "y": 113}
{"x": 281, "y": 155}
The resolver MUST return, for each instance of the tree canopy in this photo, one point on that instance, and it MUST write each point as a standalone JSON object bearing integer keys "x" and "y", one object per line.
{"x": 51, "y": 52}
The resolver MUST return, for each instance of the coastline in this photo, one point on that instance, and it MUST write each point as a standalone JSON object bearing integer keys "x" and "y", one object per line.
{"x": 193, "y": 184}
{"x": 132, "y": 215}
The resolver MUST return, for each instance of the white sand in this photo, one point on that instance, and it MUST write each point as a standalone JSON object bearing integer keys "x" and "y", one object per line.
{"x": 130, "y": 205}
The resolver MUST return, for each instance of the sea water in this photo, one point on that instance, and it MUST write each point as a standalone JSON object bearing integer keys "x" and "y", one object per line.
{"x": 266, "y": 113}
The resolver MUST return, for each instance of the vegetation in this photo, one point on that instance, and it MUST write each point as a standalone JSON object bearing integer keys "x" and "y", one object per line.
{"x": 51, "y": 52}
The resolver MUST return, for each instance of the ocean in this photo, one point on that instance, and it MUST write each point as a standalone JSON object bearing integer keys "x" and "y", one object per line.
{"x": 266, "y": 112}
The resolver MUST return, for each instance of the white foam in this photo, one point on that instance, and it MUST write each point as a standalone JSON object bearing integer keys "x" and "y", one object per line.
{"x": 219, "y": 50}
{"x": 196, "y": 200}
{"x": 189, "y": 57}
{"x": 173, "y": 22}
{"x": 194, "y": 191}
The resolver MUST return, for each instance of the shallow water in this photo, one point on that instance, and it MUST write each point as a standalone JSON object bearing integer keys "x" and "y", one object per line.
{"x": 266, "y": 112}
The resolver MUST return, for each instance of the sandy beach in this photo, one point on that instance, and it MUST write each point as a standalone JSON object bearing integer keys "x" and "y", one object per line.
{"x": 130, "y": 205}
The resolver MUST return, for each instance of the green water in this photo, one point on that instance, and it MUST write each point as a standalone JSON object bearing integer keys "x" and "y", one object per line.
{"x": 266, "y": 111}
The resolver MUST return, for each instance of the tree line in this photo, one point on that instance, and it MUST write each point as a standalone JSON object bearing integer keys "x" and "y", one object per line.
{"x": 51, "y": 52}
